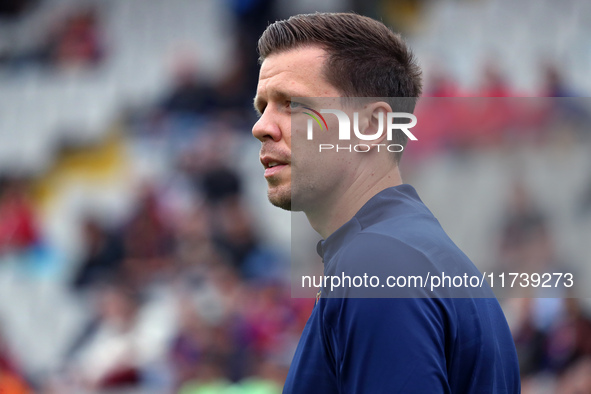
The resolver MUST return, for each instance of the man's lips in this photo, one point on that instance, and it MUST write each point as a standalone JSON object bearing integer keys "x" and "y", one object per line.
{"x": 270, "y": 171}
{"x": 272, "y": 165}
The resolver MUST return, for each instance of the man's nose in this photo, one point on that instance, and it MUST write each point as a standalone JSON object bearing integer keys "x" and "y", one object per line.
{"x": 267, "y": 128}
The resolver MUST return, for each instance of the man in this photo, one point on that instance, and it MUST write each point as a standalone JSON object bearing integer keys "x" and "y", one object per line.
{"x": 370, "y": 221}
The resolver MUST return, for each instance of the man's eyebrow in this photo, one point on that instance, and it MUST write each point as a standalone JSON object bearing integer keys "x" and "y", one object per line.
{"x": 288, "y": 95}
{"x": 279, "y": 95}
{"x": 257, "y": 102}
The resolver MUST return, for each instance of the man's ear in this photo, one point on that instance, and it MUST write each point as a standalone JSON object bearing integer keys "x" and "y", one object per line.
{"x": 374, "y": 121}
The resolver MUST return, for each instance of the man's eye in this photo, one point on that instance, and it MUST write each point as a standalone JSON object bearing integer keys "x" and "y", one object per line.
{"x": 294, "y": 104}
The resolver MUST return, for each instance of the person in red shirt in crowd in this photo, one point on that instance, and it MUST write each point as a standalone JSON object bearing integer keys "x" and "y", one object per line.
{"x": 18, "y": 228}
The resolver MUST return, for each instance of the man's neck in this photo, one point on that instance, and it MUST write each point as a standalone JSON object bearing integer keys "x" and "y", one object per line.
{"x": 343, "y": 206}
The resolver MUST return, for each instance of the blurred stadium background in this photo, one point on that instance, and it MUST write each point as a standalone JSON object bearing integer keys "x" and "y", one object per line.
{"x": 138, "y": 252}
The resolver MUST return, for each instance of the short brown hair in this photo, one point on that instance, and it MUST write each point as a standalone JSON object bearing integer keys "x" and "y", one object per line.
{"x": 365, "y": 58}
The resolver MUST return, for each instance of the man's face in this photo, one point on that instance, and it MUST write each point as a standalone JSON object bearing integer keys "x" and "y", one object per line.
{"x": 293, "y": 73}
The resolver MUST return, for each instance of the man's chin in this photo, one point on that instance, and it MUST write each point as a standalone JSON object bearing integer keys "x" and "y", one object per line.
{"x": 283, "y": 202}
{"x": 280, "y": 197}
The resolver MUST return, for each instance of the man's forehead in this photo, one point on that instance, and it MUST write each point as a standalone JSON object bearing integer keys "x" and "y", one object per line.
{"x": 296, "y": 73}
{"x": 298, "y": 60}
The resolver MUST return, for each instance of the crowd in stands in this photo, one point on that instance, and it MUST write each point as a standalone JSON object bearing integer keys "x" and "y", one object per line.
{"x": 73, "y": 42}
{"x": 184, "y": 299}
{"x": 184, "y": 296}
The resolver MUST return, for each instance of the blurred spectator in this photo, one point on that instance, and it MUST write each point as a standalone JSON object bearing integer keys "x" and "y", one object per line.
{"x": 251, "y": 19}
{"x": 189, "y": 94}
{"x": 206, "y": 163}
{"x": 529, "y": 338}
{"x": 524, "y": 225}
{"x": 189, "y": 343}
{"x": 104, "y": 254}
{"x": 147, "y": 242}
{"x": 441, "y": 84}
{"x": 569, "y": 115}
{"x": 18, "y": 227}
{"x": 569, "y": 339}
{"x": 235, "y": 237}
{"x": 195, "y": 251}
{"x": 493, "y": 83}
{"x": 557, "y": 347}
{"x": 76, "y": 41}
{"x": 193, "y": 98}
{"x": 220, "y": 184}
{"x": 115, "y": 347}
{"x": 554, "y": 83}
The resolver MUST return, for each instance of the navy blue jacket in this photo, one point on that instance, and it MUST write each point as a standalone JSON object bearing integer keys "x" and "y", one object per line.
{"x": 401, "y": 340}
